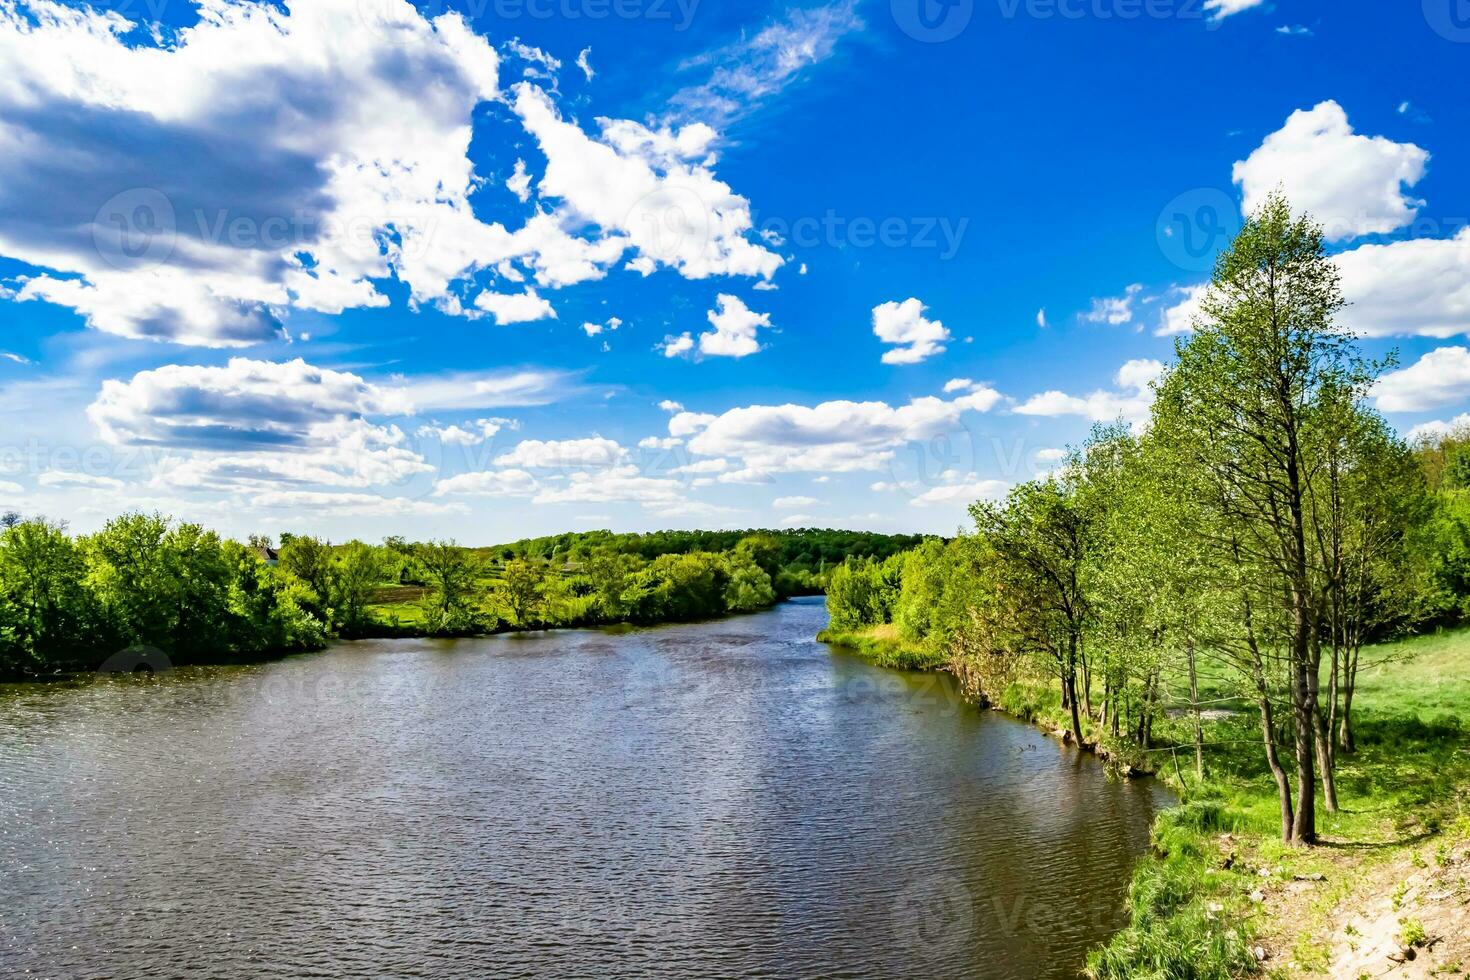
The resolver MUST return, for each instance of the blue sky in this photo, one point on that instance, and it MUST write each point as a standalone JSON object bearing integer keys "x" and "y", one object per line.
{"x": 489, "y": 268}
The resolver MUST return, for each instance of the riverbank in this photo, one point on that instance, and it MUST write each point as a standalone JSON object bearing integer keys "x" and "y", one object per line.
{"x": 1220, "y": 896}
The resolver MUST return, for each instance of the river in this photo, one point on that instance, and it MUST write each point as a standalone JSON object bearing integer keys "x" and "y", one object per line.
{"x": 710, "y": 800}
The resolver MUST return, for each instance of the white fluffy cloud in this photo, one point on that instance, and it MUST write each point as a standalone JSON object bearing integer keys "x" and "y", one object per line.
{"x": 1419, "y": 287}
{"x": 839, "y": 436}
{"x": 509, "y": 308}
{"x": 257, "y": 425}
{"x": 1131, "y": 402}
{"x": 469, "y": 434}
{"x": 1114, "y": 310}
{"x": 676, "y": 346}
{"x": 648, "y": 190}
{"x": 264, "y": 159}
{"x": 788, "y": 503}
{"x": 1436, "y": 430}
{"x": 488, "y": 483}
{"x": 735, "y": 329}
{"x": 199, "y": 188}
{"x": 564, "y": 454}
{"x": 1440, "y": 377}
{"x": 1353, "y": 184}
{"x": 905, "y": 325}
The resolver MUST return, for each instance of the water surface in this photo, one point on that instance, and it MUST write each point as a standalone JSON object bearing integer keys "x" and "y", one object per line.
{"x": 713, "y": 800}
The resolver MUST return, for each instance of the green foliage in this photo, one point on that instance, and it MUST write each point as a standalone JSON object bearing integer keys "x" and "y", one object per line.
{"x": 69, "y": 604}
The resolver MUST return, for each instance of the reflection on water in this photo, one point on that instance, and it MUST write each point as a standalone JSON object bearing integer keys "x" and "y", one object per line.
{"x": 719, "y": 799}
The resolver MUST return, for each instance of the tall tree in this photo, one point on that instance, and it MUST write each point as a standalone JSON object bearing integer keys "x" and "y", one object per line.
{"x": 1244, "y": 405}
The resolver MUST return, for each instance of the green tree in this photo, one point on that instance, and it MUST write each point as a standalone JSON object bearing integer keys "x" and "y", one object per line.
{"x": 521, "y": 590}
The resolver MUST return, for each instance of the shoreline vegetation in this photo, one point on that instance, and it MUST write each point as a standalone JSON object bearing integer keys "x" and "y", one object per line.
{"x": 145, "y": 592}
{"x": 1258, "y": 593}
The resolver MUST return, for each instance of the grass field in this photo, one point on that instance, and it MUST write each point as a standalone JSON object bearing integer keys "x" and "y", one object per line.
{"x": 1385, "y": 895}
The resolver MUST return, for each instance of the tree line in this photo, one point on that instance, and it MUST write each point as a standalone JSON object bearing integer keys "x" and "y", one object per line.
{"x": 68, "y": 603}
{"x": 1257, "y": 533}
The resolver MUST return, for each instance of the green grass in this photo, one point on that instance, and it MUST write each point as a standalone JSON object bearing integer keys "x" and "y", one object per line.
{"x": 883, "y": 646}
{"x": 1404, "y": 791}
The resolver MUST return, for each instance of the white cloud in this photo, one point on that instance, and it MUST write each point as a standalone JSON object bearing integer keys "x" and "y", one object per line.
{"x": 752, "y": 70}
{"x": 799, "y": 520}
{"x": 1179, "y": 318}
{"x": 470, "y": 434}
{"x": 6, "y": 486}
{"x": 181, "y": 184}
{"x": 622, "y": 483}
{"x": 1419, "y": 287}
{"x": 1440, "y": 377}
{"x": 1353, "y": 184}
{"x": 593, "y": 329}
{"x": 524, "y": 307}
{"x": 641, "y": 189}
{"x": 669, "y": 405}
{"x": 787, "y": 503}
{"x": 676, "y": 346}
{"x": 904, "y": 324}
{"x": 60, "y": 480}
{"x": 1131, "y": 403}
{"x": 663, "y": 445}
{"x": 1051, "y": 455}
{"x": 1220, "y": 9}
{"x": 536, "y": 454}
{"x": 349, "y": 504}
{"x": 1416, "y": 287}
{"x": 14, "y": 358}
{"x": 584, "y": 62}
{"x": 968, "y": 491}
{"x": 957, "y": 384}
{"x": 735, "y": 329}
{"x": 488, "y": 483}
{"x": 836, "y": 436}
{"x": 1041, "y": 318}
{"x": 272, "y": 158}
{"x": 1115, "y": 310}
{"x": 1436, "y": 431}
{"x": 519, "y": 182}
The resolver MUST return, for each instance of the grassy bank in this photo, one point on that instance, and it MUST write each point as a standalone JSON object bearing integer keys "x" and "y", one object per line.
{"x": 1219, "y": 896}
{"x": 883, "y": 646}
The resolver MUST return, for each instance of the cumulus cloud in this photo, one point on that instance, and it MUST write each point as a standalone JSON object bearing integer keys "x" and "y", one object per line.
{"x": 1440, "y": 377}
{"x": 266, "y": 159}
{"x": 905, "y": 325}
{"x": 1354, "y": 184}
{"x": 1131, "y": 403}
{"x": 523, "y": 307}
{"x": 349, "y": 504}
{"x": 469, "y": 434}
{"x": 1434, "y": 432}
{"x": 621, "y": 483}
{"x": 1114, "y": 310}
{"x": 735, "y": 329}
{"x": 1419, "y": 287}
{"x": 645, "y": 191}
{"x": 488, "y": 483}
{"x": 837, "y": 436}
{"x": 676, "y": 346}
{"x": 562, "y": 454}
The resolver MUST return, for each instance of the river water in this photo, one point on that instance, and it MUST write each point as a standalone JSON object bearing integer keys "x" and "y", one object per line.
{"x": 713, "y": 800}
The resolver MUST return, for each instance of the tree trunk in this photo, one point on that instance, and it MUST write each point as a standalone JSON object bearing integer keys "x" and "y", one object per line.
{"x": 1199, "y": 728}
